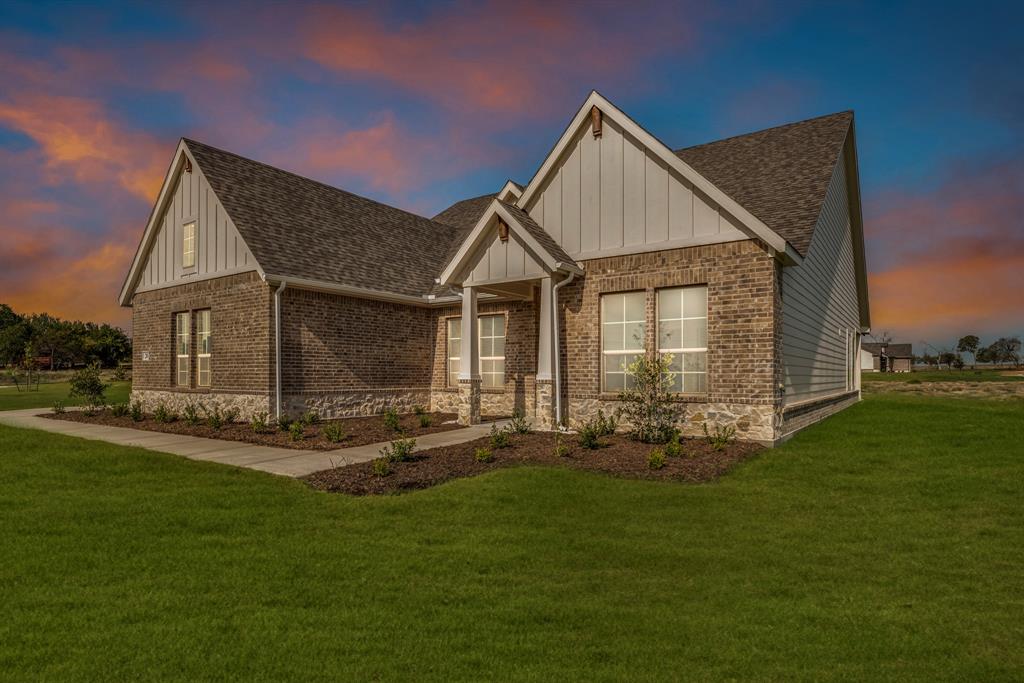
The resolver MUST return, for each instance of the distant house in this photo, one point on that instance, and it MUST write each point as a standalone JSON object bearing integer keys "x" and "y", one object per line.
{"x": 886, "y": 357}
{"x": 257, "y": 289}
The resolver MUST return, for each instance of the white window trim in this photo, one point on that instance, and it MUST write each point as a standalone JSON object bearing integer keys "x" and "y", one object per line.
{"x": 683, "y": 349}
{"x": 199, "y": 345}
{"x": 190, "y": 242}
{"x": 178, "y": 356}
{"x": 621, "y": 352}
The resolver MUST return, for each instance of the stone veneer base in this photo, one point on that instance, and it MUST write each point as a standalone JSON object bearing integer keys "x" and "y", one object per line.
{"x": 356, "y": 402}
{"x": 247, "y": 405}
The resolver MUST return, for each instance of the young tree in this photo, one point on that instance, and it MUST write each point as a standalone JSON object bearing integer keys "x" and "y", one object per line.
{"x": 1006, "y": 350}
{"x": 969, "y": 344}
{"x": 947, "y": 358}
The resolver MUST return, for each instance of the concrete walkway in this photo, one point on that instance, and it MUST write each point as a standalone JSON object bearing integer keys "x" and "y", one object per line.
{"x": 284, "y": 461}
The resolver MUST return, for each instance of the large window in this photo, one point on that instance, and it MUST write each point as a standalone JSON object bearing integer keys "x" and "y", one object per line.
{"x": 622, "y": 337}
{"x": 181, "y": 348}
{"x": 188, "y": 245}
{"x": 491, "y": 330}
{"x": 454, "y": 350}
{"x": 203, "y": 348}
{"x": 492, "y": 351}
{"x": 683, "y": 332}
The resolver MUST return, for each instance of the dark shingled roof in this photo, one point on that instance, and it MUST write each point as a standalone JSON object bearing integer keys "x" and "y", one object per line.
{"x": 891, "y": 350}
{"x": 780, "y": 174}
{"x": 538, "y": 233}
{"x": 300, "y": 228}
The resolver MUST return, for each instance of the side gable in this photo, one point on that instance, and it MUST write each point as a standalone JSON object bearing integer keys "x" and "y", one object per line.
{"x": 626, "y": 192}
{"x": 186, "y": 196}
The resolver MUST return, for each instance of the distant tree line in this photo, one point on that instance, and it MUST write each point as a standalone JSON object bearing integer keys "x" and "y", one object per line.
{"x": 50, "y": 342}
{"x": 1003, "y": 351}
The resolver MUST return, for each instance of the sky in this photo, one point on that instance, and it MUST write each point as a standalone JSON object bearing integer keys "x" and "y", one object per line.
{"x": 420, "y": 104}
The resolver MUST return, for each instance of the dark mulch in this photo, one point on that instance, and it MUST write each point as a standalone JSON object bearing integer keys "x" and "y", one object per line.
{"x": 359, "y": 430}
{"x": 620, "y": 457}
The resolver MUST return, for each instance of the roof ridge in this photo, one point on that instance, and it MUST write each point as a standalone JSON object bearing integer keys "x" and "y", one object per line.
{"x": 765, "y": 130}
{"x": 307, "y": 179}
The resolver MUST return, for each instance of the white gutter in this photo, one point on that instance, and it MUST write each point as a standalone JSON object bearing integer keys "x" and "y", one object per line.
{"x": 277, "y": 348}
{"x": 558, "y": 352}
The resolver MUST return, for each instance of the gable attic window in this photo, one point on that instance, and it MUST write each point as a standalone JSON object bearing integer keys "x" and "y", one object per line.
{"x": 188, "y": 245}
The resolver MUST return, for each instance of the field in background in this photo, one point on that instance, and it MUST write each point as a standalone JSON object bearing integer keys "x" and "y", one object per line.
{"x": 965, "y": 375}
{"x": 12, "y": 399}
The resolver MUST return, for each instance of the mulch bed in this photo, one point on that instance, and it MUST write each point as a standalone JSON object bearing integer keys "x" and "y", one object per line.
{"x": 620, "y": 456}
{"x": 359, "y": 430}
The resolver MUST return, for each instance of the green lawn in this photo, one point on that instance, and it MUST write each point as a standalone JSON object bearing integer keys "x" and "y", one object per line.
{"x": 965, "y": 375}
{"x": 886, "y": 543}
{"x": 12, "y": 399}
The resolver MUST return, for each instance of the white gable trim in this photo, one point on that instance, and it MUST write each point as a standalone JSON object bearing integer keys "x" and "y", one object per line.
{"x": 181, "y": 153}
{"x": 477, "y": 238}
{"x": 510, "y": 192}
{"x": 747, "y": 219}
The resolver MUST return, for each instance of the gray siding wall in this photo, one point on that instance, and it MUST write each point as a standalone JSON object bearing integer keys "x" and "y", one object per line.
{"x": 219, "y": 248}
{"x": 611, "y": 195}
{"x": 819, "y": 303}
{"x": 502, "y": 261}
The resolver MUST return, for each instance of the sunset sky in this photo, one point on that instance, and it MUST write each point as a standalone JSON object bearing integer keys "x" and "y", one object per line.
{"x": 420, "y": 104}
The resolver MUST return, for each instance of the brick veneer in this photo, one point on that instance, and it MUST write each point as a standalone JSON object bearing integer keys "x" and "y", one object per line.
{"x": 241, "y": 362}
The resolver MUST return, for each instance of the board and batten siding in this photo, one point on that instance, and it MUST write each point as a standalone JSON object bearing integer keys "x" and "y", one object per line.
{"x": 819, "y": 303}
{"x": 611, "y": 195}
{"x": 504, "y": 261}
{"x": 219, "y": 248}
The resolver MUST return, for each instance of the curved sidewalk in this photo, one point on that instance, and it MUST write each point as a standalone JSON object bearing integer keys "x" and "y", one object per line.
{"x": 284, "y": 461}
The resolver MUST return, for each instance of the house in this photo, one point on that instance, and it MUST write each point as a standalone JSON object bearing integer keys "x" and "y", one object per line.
{"x": 256, "y": 288}
{"x": 887, "y": 357}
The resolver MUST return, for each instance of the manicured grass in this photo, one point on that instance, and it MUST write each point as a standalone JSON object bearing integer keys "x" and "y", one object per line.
{"x": 883, "y": 544}
{"x": 965, "y": 375}
{"x": 12, "y": 399}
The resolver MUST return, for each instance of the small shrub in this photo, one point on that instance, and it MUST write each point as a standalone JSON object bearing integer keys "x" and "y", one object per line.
{"x": 296, "y": 431}
{"x": 589, "y": 435}
{"x": 673, "y": 448}
{"x": 214, "y": 417}
{"x": 426, "y": 420}
{"x": 135, "y": 410}
{"x": 656, "y": 459}
{"x": 500, "y": 438}
{"x": 87, "y": 384}
{"x": 58, "y": 408}
{"x": 230, "y": 415}
{"x": 399, "y": 451}
{"x": 483, "y": 455}
{"x": 391, "y": 420}
{"x": 419, "y": 410}
{"x": 605, "y": 426}
{"x": 333, "y": 432}
{"x": 284, "y": 423}
{"x": 381, "y": 467}
{"x": 258, "y": 422}
{"x": 310, "y": 418}
{"x": 190, "y": 414}
{"x": 120, "y": 373}
{"x": 720, "y": 438}
{"x": 119, "y": 410}
{"x": 561, "y": 448}
{"x": 519, "y": 425}
{"x": 163, "y": 415}
{"x": 648, "y": 405}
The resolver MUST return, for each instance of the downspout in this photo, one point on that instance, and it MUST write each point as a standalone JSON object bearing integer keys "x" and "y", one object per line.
{"x": 558, "y": 352}
{"x": 277, "y": 349}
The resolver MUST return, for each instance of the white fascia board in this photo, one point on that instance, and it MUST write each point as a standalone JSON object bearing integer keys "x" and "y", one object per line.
{"x": 747, "y": 219}
{"x": 510, "y": 192}
{"x": 348, "y": 290}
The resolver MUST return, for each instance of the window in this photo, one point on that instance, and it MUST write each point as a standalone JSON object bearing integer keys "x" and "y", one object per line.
{"x": 182, "y": 325}
{"x": 454, "y": 350}
{"x": 188, "y": 245}
{"x": 492, "y": 351}
{"x": 491, "y": 330}
{"x": 203, "y": 346}
{"x": 622, "y": 337}
{"x": 683, "y": 332}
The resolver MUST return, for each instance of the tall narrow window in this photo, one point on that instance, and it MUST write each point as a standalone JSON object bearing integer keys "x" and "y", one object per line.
{"x": 188, "y": 245}
{"x": 181, "y": 344}
{"x": 622, "y": 337}
{"x": 683, "y": 332}
{"x": 203, "y": 345}
{"x": 492, "y": 351}
{"x": 454, "y": 350}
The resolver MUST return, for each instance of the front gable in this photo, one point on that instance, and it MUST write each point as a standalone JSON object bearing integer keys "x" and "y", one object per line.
{"x": 186, "y": 197}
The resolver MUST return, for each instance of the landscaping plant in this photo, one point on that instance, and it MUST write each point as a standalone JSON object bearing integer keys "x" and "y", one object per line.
{"x": 419, "y": 410}
{"x": 518, "y": 424}
{"x": 483, "y": 455}
{"x": 720, "y": 438}
{"x": 333, "y": 432}
{"x": 500, "y": 438}
{"x": 214, "y": 417}
{"x": 425, "y": 420}
{"x": 399, "y": 450}
{"x": 391, "y": 420}
{"x": 673, "y": 448}
{"x": 190, "y": 414}
{"x": 119, "y": 409}
{"x": 87, "y": 384}
{"x": 284, "y": 423}
{"x": 381, "y": 467}
{"x": 561, "y": 448}
{"x": 230, "y": 415}
{"x": 259, "y": 423}
{"x": 163, "y": 415}
{"x": 58, "y": 408}
{"x": 310, "y": 418}
{"x": 136, "y": 411}
{"x": 648, "y": 406}
{"x": 296, "y": 431}
{"x": 656, "y": 460}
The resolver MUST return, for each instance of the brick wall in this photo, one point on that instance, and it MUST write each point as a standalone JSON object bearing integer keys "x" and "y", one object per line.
{"x": 241, "y": 361}
{"x": 744, "y": 332}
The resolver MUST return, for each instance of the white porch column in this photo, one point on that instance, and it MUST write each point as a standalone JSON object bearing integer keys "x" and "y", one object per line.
{"x": 545, "y": 339}
{"x": 469, "y": 362}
